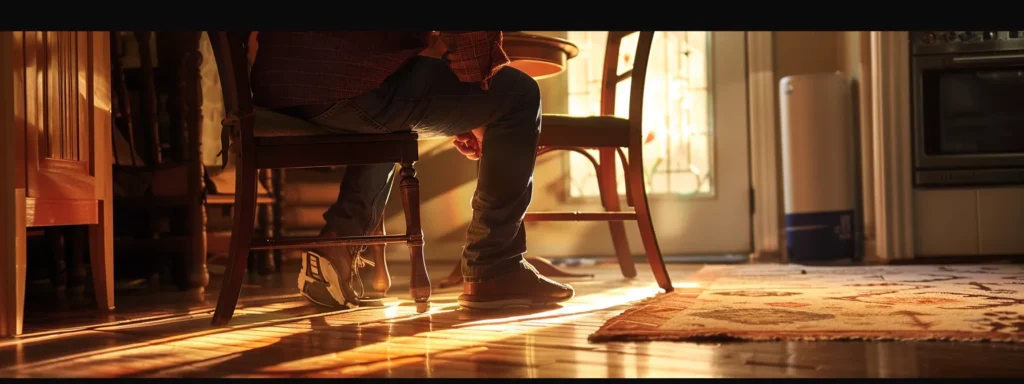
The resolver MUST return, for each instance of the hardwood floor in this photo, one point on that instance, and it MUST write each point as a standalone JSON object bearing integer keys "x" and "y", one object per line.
{"x": 276, "y": 333}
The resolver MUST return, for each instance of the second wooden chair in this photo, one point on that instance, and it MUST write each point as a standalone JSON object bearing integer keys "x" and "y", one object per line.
{"x": 268, "y": 140}
{"x": 609, "y": 134}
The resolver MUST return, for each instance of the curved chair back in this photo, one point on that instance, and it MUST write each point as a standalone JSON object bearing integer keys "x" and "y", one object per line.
{"x": 231, "y": 53}
{"x": 638, "y": 74}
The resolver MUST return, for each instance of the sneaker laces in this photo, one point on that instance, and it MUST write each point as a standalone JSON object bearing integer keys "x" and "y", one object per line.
{"x": 359, "y": 262}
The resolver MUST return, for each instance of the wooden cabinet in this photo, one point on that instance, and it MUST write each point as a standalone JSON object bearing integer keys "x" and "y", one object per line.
{"x": 57, "y": 125}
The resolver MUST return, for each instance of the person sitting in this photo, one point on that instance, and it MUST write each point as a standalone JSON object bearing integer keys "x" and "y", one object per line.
{"x": 444, "y": 84}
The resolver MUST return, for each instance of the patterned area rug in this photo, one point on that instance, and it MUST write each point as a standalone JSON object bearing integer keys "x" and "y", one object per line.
{"x": 789, "y": 302}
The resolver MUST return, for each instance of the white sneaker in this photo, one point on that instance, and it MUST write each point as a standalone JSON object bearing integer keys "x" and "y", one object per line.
{"x": 320, "y": 282}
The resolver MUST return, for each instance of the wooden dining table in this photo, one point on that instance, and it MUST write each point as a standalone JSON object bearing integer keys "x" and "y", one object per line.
{"x": 540, "y": 57}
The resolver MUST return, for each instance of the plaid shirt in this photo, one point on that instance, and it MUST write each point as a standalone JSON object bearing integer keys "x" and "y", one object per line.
{"x": 312, "y": 68}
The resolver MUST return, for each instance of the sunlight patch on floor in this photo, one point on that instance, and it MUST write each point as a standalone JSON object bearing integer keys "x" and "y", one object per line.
{"x": 686, "y": 285}
{"x": 445, "y": 335}
{"x": 578, "y": 306}
{"x": 452, "y": 341}
{"x": 166, "y": 348}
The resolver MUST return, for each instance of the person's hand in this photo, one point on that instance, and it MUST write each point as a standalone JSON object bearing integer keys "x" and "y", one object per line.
{"x": 470, "y": 144}
{"x": 435, "y": 46}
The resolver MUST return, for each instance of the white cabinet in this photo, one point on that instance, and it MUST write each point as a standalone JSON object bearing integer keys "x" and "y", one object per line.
{"x": 969, "y": 221}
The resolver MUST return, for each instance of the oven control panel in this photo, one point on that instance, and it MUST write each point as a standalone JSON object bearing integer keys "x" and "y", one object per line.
{"x": 937, "y": 42}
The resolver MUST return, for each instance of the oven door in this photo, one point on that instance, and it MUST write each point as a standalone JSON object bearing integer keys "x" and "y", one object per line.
{"x": 969, "y": 111}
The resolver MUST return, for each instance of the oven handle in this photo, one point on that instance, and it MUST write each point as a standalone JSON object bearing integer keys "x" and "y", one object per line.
{"x": 982, "y": 59}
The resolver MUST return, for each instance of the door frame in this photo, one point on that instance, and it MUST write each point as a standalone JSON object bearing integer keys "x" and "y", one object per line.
{"x": 764, "y": 157}
{"x": 890, "y": 133}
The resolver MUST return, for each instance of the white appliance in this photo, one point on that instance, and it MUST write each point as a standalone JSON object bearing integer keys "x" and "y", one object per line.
{"x": 818, "y": 167}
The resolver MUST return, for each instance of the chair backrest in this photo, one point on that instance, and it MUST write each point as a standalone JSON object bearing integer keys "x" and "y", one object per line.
{"x": 232, "y": 56}
{"x": 638, "y": 74}
{"x": 231, "y": 53}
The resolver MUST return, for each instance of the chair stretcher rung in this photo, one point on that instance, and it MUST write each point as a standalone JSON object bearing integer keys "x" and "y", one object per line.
{"x": 580, "y": 216}
{"x": 312, "y": 242}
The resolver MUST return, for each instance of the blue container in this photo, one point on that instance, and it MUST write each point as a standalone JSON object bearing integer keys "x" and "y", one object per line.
{"x": 818, "y": 167}
{"x": 820, "y": 236}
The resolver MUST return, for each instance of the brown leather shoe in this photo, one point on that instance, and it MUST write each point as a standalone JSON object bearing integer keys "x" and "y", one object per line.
{"x": 524, "y": 287}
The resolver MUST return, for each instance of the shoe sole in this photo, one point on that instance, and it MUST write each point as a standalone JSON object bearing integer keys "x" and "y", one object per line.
{"x": 510, "y": 302}
{"x": 318, "y": 281}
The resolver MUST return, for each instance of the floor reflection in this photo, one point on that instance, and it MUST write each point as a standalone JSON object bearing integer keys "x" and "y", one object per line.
{"x": 283, "y": 336}
{"x": 294, "y": 339}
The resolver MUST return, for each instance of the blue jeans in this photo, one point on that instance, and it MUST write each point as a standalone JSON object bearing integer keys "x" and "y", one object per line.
{"x": 425, "y": 97}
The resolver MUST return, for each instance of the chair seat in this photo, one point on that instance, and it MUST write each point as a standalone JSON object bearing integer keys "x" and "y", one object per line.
{"x": 275, "y": 128}
{"x": 284, "y": 141}
{"x": 584, "y": 131}
{"x": 269, "y": 123}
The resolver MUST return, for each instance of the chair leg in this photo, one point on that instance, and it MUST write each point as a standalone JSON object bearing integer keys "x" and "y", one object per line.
{"x": 643, "y": 220}
{"x": 625, "y": 171}
{"x": 276, "y": 184}
{"x": 241, "y": 236}
{"x": 198, "y": 275}
{"x": 610, "y": 201}
{"x": 419, "y": 284}
{"x": 381, "y": 277}
{"x": 265, "y": 259}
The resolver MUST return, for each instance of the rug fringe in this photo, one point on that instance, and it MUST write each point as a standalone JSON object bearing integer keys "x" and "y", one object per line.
{"x": 728, "y": 338}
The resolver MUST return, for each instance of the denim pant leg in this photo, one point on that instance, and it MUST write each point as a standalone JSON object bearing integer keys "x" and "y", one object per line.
{"x": 426, "y": 97}
{"x": 359, "y": 208}
{"x": 365, "y": 188}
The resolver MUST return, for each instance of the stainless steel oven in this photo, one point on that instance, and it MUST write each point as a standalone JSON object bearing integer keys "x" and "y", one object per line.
{"x": 968, "y": 100}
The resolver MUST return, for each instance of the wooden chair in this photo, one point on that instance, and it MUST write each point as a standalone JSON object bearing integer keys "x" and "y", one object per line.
{"x": 609, "y": 134}
{"x": 268, "y": 140}
{"x": 171, "y": 183}
{"x": 220, "y": 192}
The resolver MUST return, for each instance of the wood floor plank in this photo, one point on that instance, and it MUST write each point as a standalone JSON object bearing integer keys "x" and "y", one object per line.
{"x": 277, "y": 334}
{"x": 15, "y": 355}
